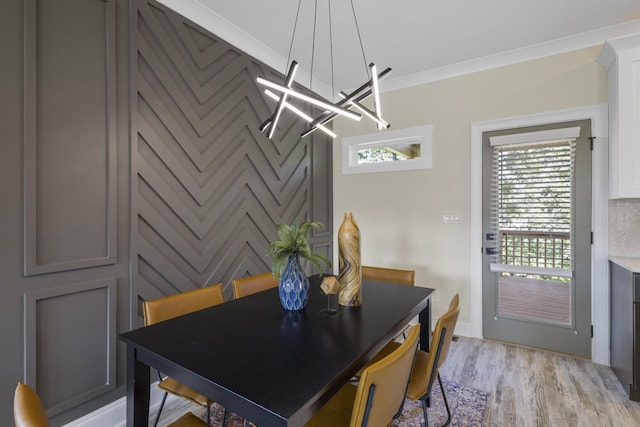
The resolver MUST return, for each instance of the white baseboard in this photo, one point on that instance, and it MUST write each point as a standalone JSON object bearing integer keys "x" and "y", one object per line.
{"x": 464, "y": 329}
{"x": 115, "y": 413}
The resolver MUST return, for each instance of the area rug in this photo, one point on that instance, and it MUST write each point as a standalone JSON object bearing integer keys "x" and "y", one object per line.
{"x": 469, "y": 408}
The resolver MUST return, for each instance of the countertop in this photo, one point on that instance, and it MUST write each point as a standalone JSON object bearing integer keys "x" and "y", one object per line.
{"x": 630, "y": 263}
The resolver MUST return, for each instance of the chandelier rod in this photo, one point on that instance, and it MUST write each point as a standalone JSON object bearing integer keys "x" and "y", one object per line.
{"x": 333, "y": 89}
{"x": 293, "y": 36}
{"x": 364, "y": 58}
{"x": 332, "y": 109}
{"x": 353, "y": 98}
{"x": 313, "y": 44}
{"x": 354, "y": 95}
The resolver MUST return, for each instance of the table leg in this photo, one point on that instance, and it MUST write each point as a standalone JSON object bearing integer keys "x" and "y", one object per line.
{"x": 138, "y": 383}
{"x": 426, "y": 333}
{"x": 425, "y": 327}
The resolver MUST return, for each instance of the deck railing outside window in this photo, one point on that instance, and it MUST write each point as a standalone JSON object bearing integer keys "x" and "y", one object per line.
{"x": 535, "y": 249}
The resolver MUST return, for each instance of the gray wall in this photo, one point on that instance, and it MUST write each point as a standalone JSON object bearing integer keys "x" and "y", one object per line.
{"x": 130, "y": 168}
{"x": 210, "y": 186}
{"x": 64, "y": 174}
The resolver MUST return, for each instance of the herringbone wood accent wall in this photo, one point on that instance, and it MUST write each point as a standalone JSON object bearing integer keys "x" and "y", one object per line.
{"x": 210, "y": 186}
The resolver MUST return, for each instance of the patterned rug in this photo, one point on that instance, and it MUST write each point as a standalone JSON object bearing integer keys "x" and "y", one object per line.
{"x": 468, "y": 406}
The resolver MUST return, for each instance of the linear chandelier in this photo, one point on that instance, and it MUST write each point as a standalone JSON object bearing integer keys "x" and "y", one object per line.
{"x": 349, "y": 105}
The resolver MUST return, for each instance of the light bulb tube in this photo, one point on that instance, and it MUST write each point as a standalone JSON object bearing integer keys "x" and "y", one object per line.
{"x": 300, "y": 113}
{"x": 320, "y": 103}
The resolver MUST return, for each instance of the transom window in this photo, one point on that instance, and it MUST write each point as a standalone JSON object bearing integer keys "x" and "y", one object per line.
{"x": 403, "y": 149}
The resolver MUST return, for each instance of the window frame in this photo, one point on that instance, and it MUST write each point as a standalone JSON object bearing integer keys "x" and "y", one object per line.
{"x": 421, "y": 135}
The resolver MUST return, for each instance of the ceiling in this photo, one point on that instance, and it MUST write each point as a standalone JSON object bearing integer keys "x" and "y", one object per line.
{"x": 421, "y": 40}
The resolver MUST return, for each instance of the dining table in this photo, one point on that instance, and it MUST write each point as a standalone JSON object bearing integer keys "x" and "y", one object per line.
{"x": 272, "y": 366}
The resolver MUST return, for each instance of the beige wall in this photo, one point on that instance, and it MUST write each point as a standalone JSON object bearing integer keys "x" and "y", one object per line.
{"x": 400, "y": 213}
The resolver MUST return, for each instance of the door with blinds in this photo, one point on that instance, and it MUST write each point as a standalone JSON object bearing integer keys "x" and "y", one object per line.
{"x": 537, "y": 236}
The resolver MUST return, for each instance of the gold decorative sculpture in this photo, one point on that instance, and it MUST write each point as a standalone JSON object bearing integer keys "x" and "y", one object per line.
{"x": 330, "y": 285}
{"x": 349, "y": 265}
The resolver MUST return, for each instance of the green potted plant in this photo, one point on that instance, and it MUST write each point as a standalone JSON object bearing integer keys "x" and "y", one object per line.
{"x": 286, "y": 253}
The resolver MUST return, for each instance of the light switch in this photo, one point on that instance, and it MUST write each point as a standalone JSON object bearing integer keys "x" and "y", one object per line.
{"x": 452, "y": 217}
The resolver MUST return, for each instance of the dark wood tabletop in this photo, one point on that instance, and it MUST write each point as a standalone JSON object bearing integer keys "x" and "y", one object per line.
{"x": 273, "y": 367}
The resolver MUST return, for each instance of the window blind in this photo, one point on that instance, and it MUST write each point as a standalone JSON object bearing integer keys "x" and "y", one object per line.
{"x": 531, "y": 217}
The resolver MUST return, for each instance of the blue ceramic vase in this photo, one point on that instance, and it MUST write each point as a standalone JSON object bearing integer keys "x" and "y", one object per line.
{"x": 294, "y": 285}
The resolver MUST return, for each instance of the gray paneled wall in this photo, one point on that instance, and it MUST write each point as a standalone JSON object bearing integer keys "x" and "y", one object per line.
{"x": 69, "y": 197}
{"x": 131, "y": 167}
{"x": 64, "y": 202}
{"x": 70, "y": 342}
{"x": 69, "y": 135}
{"x": 210, "y": 186}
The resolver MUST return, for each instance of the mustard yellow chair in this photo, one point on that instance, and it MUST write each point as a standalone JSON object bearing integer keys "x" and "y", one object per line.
{"x": 427, "y": 365}
{"x": 379, "y": 396}
{"x": 393, "y": 275}
{"x": 188, "y": 420}
{"x": 28, "y": 410}
{"x": 253, "y": 284}
{"x": 173, "y": 306}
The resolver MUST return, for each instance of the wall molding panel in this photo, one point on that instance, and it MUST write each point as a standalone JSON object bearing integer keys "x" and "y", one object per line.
{"x": 210, "y": 187}
{"x": 132, "y": 168}
{"x": 69, "y": 135}
{"x": 68, "y": 329}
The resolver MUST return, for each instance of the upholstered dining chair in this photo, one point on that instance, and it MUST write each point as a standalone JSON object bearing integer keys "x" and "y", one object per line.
{"x": 28, "y": 410}
{"x": 427, "y": 365}
{"x": 188, "y": 420}
{"x": 393, "y": 275}
{"x": 379, "y": 396}
{"x": 252, "y": 284}
{"x": 165, "y": 308}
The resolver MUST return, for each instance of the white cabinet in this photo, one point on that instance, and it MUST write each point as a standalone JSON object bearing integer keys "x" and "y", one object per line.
{"x": 621, "y": 57}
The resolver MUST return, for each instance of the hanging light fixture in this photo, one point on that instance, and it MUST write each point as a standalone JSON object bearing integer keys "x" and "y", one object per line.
{"x": 350, "y": 104}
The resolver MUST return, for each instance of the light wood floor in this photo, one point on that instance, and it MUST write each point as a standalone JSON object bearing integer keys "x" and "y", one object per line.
{"x": 528, "y": 387}
{"x": 538, "y": 388}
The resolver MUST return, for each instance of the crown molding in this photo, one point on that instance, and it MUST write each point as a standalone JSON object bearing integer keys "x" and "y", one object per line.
{"x": 536, "y": 51}
{"x": 216, "y": 24}
{"x": 210, "y": 21}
